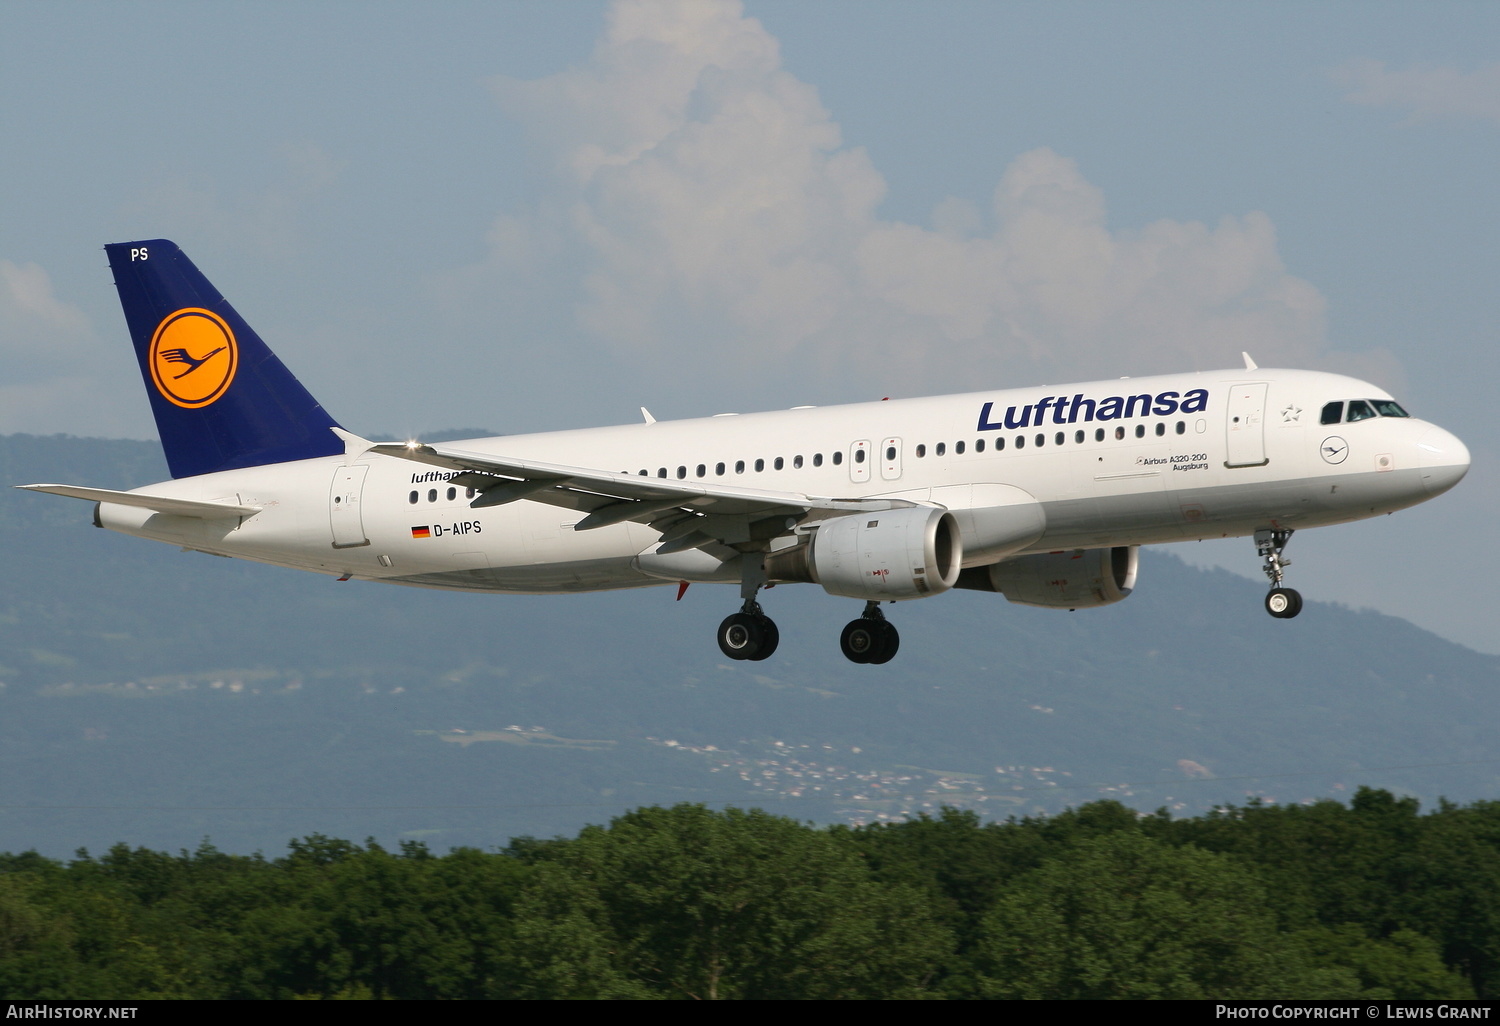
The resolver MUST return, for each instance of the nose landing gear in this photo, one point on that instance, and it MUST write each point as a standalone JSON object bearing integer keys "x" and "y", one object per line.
{"x": 1282, "y": 603}
{"x": 870, "y": 639}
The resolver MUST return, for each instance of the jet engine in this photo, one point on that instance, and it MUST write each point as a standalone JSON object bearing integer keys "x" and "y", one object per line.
{"x": 881, "y": 557}
{"x": 1075, "y": 579}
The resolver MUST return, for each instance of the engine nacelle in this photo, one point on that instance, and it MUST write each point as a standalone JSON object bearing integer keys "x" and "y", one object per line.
{"x": 887, "y": 556}
{"x": 1076, "y": 579}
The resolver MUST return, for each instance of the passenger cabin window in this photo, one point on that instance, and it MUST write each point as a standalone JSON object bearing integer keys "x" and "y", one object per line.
{"x": 1333, "y": 413}
{"x": 779, "y": 463}
{"x": 921, "y": 451}
{"x": 817, "y": 459}
{"x": 412, "y": 498}
{"x": 1360, "y": 410}
{"x": 796, "y": 462}
{"x": 838, "y": 458}
{"x": 739, "y": 466}
{"x": 941, "y": 449}
{"x": 859, "y": 455}
{"x": 958, "y": 449}
{"x": 760, "y": 465}
{"x": 979, "y": 445}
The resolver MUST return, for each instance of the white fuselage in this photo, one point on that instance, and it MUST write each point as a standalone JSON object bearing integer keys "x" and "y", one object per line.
{"x": 1247, "y": 452}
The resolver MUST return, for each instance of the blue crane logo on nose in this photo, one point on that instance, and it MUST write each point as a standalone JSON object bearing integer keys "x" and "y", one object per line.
{"x": 1334, "y": 449}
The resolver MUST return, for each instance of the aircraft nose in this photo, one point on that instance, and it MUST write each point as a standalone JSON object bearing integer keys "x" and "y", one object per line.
{"x": 1443, "y": 458}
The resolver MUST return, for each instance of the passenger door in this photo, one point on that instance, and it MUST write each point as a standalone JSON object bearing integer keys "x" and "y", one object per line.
{"x": 344, "y": 514}
{"x": 1246, "y": 426}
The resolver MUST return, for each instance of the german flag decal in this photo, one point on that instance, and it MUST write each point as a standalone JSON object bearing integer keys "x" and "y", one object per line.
{"x": 421, "y": 532}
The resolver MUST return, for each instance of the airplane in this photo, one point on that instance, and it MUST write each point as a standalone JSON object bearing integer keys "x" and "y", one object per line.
{"x": 1042, "y": 494}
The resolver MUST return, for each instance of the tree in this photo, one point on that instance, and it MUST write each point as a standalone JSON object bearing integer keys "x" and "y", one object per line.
{"x": 686, "y": 902}
{"x": 1123, "y": 916}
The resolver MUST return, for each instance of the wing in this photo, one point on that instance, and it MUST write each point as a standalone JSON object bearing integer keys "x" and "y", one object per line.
{"x": 690, "y": 514}
{"x": 159, "y": 503}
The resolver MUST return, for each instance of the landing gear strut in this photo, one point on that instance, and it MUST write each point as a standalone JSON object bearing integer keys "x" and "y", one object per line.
{"x": 1282, "y": 603}
{"x": 870, "y": 639}
{"x": 750, "y": 633}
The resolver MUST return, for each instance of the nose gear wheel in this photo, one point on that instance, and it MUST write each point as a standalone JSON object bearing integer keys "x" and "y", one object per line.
{"x": 1283, "y": 603}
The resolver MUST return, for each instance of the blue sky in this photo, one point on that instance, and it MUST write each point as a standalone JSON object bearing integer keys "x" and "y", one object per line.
{"x": 525, "y": 216}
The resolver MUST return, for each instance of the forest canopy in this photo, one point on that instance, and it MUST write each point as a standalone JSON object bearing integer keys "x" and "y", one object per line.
{"x": 1369, "y": 900}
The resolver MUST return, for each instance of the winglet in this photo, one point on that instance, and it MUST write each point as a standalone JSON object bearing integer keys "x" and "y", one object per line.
{"x": 1249, "y": 363}
{"x": 646, "y": 414}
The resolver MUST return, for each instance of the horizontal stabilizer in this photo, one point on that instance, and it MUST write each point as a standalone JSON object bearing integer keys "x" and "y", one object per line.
{"x": 159, "y": 503}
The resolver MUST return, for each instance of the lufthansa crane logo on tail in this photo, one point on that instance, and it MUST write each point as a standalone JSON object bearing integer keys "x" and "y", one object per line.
{"x": 193, "y": 357}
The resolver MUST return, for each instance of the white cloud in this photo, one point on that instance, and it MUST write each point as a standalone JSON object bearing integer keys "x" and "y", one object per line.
{"x": 39, "y": 333}
{"x": 32, "y": 318}
{"x": 706, "y": 214}
{"x": 1427, "y": 91}
{"x": 51, "y": 376}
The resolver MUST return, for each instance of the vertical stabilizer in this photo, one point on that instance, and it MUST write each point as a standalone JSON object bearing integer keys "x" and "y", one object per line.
{"x": 221, "y": 398}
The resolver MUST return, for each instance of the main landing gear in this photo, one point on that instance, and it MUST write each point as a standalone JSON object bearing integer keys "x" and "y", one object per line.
{"x": 750, "y": 633}
{"x": 1282, "y": 603}
{"x": 870, "y": 639}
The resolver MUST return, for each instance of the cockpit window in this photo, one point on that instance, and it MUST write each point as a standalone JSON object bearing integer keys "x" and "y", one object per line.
{"x": 1389, "y": 408}
{"x": 1360, "y": 410}
{"x": 1333, "y": 413}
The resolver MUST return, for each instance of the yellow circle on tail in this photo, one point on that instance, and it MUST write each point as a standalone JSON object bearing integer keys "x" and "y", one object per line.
{"x": 193, "y": 357}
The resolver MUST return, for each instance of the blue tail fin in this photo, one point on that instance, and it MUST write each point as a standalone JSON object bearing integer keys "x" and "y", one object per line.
{"x": 222, "y": 399}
